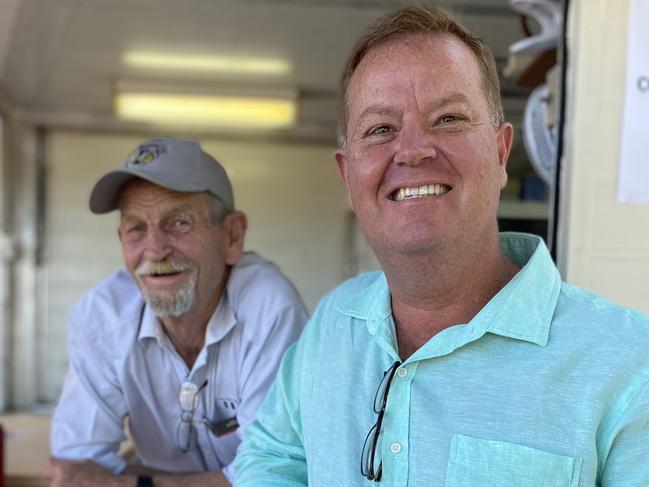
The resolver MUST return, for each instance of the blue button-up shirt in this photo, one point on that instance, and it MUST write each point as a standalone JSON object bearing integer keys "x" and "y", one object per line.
{"x": 123, "y": 364}
{"x": 548, "y": 385}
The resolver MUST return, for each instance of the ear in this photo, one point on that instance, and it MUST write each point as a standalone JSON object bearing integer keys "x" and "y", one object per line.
{"x": 504, "y": 140}
{"x": 234, "y": 225}
{"x": 342, "y": 160}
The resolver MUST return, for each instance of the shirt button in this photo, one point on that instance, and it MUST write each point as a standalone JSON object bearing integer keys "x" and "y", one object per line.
{"x": 395, "y": 447}
{"x": 402, "y": 372}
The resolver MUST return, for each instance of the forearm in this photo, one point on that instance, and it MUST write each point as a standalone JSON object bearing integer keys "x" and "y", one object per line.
{"x": 85, "y": 473}
{"x": 166, "y": 479}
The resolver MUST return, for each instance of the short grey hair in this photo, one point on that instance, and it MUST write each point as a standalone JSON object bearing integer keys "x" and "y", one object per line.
{"x": 218, "y": 209}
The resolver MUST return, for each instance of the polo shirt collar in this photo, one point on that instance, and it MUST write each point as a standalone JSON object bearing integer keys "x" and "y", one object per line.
{"x": 150, "y": 327}
{"x": 219, "y": 325}
{"x": 221, "y": 322}
{"x": 522, "y": 310}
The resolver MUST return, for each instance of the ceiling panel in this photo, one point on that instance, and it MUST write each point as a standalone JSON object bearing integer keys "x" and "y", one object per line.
{"x": 67, "y": 54}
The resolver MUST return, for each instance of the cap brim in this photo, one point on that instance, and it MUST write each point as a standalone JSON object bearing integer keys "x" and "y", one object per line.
{"x": 104, "y": 197}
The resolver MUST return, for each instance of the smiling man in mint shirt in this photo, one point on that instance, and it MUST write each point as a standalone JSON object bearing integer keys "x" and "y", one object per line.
{"x": 467, "y": 361}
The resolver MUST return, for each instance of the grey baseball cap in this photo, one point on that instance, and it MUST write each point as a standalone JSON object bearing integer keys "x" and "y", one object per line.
{"x": 179, "y": 165}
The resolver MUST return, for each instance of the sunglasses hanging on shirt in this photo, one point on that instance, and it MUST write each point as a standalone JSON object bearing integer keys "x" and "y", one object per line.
{"x": 186, "y": 435}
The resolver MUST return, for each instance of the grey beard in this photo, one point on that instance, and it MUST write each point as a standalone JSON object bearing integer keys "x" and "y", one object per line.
{"x": 172, "y": 304}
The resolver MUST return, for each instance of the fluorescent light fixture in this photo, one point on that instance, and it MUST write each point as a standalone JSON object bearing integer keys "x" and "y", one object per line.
{"x": 207, "y": 64}
{"x": 225, "y": 109}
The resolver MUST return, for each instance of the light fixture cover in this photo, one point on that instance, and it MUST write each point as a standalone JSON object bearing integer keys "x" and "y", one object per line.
{"x": 224, "y": 107}
{"x": 244, "y": 65}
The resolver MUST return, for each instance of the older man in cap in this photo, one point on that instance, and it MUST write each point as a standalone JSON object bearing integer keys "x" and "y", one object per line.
{"x": 184, "y": 343}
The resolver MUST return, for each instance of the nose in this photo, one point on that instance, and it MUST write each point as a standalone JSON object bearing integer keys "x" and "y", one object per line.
{"x": 157, "y": 244}
{"x": 414, "y": 144}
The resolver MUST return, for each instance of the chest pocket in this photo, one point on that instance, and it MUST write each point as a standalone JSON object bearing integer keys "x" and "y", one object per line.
{"x": 226, "y": 406}
{"x": 476, "y": 462}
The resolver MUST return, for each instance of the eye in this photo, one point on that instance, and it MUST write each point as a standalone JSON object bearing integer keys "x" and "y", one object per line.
{"x": 181, "y": 225}
{"x": 380, "y": 130}
{"x": 445, "y": 119}
{"x": 134, "y": 231}
{"x": 134, "y": 228}
{"x": 451, "y": 122}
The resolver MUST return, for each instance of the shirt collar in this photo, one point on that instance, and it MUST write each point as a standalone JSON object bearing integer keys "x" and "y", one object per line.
{"x": 150, "y": 327}
{"x": 370, "y": 303}
{"x": 522, "y": 310}
{"x": 219, "y": 325}
{"x": 221, "y": 322}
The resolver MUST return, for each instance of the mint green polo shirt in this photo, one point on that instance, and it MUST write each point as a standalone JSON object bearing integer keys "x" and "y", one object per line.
{"x": 548, "y": 385}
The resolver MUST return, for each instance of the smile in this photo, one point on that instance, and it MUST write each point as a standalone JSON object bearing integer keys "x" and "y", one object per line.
{"x": 157, "y": 279}
{"x": 168, "y": 273}
{"x": 162, "y": 270}
{"x": 402, "y": 194}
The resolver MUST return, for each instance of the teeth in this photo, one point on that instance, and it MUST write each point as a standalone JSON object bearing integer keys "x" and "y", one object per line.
{"x": 161, "y": 268}
{"x": 421, "y": 191}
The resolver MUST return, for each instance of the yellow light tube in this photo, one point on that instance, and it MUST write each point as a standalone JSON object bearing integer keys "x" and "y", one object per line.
{"x": 206, "y": 110}
{"x": 218, "y": 64}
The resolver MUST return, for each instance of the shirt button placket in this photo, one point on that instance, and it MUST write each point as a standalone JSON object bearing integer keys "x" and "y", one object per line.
{"x": 395, "y": 464}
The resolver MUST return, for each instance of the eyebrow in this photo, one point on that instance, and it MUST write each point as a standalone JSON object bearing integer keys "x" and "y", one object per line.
{"x": 435, "y": 105}
{"x": 447, "y": 100}
{"x": 126, "y": 216}
{"x": 376, "y": 110}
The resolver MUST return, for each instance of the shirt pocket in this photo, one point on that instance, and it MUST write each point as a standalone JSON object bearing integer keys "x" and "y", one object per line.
{"x": 476, "y": 462}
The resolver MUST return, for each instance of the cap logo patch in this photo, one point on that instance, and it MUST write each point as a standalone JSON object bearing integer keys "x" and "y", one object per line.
{"x": 146, "y": 154}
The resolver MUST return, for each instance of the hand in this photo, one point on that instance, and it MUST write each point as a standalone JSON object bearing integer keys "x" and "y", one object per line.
{"x": 81, "y": 473}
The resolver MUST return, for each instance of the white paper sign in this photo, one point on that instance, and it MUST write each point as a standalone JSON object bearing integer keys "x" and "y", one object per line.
{"x": 633, "y": 182}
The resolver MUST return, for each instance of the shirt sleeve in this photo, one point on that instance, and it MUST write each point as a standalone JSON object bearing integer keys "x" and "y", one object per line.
{"x": 272, "y": 452}
{"x": 261, "y": 365}
{"x": 627, "y": 463}
{"x": 89, "y": 420}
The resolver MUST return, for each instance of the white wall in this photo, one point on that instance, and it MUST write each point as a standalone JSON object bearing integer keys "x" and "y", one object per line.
{"x": 295, "y": 205}
{"x": 604, "y": 245}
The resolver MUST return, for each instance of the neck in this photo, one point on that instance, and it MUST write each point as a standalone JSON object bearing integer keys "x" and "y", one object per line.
{"x": 187, "y": 336}
{"x": 434, "y": 290}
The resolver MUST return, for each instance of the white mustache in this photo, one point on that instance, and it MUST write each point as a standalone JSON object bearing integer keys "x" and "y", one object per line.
{"x": 148, "y": 268}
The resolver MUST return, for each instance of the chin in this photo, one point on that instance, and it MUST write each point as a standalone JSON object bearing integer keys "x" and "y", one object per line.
{"x": 172, "y": 303}
{"x": 412, "y": 246}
